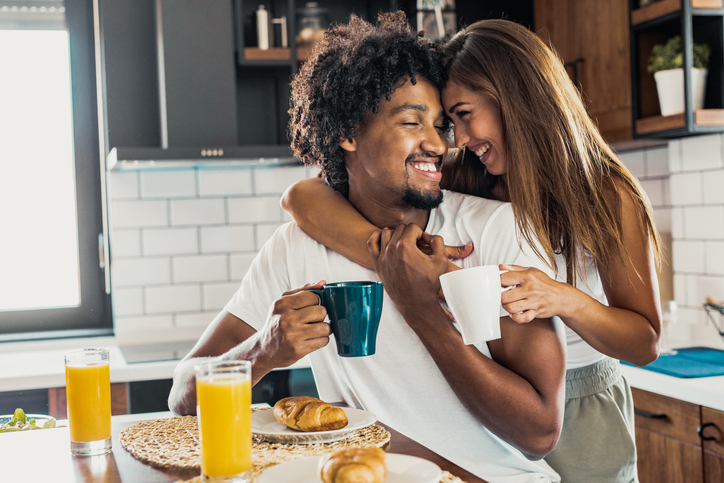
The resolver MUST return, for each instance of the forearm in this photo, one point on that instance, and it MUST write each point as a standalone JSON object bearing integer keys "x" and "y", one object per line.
{"x": 503, "y": 401}
{"x": 620, "y": 333}
{"x": 182, "y": 398}
{"x": 325, "y": 215}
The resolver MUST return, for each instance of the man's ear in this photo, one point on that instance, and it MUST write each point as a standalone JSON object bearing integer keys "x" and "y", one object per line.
{"x": 349, "y": 144}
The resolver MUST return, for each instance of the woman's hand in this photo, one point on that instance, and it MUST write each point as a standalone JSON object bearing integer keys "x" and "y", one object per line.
{"x": 536, "y": 295}
{"x": 411, "y": 277}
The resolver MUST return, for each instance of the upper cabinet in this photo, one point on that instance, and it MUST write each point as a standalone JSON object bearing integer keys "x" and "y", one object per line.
{"x": 592, "y": 38}
{"x": 687, "y": 100}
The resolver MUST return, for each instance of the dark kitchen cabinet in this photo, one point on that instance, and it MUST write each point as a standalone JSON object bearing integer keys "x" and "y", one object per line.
{"x": 677, "y": 441}
{"x": 592, "y": 38}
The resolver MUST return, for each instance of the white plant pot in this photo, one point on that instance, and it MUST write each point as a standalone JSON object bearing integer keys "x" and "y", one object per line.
{"x": 670, "y": 87}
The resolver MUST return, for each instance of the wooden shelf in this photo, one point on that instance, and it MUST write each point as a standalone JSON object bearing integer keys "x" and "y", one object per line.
{"x": 276, "y": 53}
{"x": 707, "y": 3}
{"x": 655, "y": 10}
{"x": 702, "y": 117}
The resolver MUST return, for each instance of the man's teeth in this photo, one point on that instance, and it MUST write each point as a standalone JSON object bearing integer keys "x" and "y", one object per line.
{"x": 425, "y": 167}
{"x": 481, "y": 152}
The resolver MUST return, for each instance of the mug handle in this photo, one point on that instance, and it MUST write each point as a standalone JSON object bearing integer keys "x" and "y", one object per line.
{"x": 318, "y": 292}
{"x": 509, "y": 287}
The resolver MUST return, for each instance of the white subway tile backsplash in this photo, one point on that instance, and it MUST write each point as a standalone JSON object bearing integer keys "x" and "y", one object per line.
{"x": 662, "y": 219}
{"x": 704, "y": 223}
{"x": 701, "y": 286}
{"x": 125, "y": 243}
{"x": 142, "y": 323}
{"x": 680, "y": 289}
{"x": 127, "y": 301}
{"x": 123, "y": 185}
{"x": 217, "y": 295}
{"x": 677, "y": 223}
{"x": 686, "y": 189}
{"x": 251, "y": 210}
{"x": 173, "y": 298}
{"x": 657, "y": 161}
{"x": 170, "y": 241}
{"x": 168, "y": 184}
{"x": 240, "y": 264}
{"x": 687, "y": 317}
{"x": 674, "y": 155}
{"x": 701, "y": 152}
{"x": 225, "y": 183}
{"x": 200, "y": 319}
{"x": 264, "y": 233}
{"x": 714, "y": 258}
{"x": 635, "y": 162}
{"x": 200, "y": 268}
{"x": 713, "y": 182}
{"x": 276, "y": 181}
{"x": 654, "y": 188}
{"x": 137, "y": 214}
{"x": 227, "y": 238}
{"x": 688, "y": 256}
{"x": 198, "y": 212}
{"x": 128, "y": 272}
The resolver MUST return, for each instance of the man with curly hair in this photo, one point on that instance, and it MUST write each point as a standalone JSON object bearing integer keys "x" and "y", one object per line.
{"x": 366, "y": 109}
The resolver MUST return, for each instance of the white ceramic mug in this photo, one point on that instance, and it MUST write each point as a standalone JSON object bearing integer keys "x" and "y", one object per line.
{"x": 473, "y": 298}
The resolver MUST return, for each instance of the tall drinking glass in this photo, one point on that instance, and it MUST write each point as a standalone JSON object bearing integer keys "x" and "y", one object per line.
{"x": 223, "y": 395}
{"x": 88, "y": 390}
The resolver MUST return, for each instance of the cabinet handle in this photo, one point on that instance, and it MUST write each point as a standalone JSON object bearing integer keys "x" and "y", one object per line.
{"x": 701, "y": 432}
{"x": 646, "y": 414}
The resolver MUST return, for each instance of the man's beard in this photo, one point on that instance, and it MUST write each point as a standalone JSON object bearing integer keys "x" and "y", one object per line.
{"x": 422, "y": 200}
{"x": 415, "y": 198}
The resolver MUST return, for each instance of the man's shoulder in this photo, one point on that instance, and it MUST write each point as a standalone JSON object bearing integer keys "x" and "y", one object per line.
{"x": 460, "y": 205}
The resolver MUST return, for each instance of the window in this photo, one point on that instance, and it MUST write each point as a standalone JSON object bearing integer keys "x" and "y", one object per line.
{"x": 52, "y": 282}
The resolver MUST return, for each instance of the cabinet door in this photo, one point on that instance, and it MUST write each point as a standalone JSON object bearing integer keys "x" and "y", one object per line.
{"x": 597, "y": 34}
{"x": 714, "y": 448}
{"x": 668, "y": 446}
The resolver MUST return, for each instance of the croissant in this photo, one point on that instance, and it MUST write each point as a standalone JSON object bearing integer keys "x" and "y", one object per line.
{"x": 305, "y": 413}
{"x": 353, "y": 465}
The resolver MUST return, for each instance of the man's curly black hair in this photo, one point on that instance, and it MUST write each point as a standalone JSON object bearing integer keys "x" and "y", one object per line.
{"x": 352, "y": 69}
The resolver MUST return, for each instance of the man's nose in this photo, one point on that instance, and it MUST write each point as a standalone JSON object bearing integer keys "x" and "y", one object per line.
{"x": 434, "y": 142}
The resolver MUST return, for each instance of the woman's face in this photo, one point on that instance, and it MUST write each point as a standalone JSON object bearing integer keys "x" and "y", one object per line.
{"x": 477, "y": 125}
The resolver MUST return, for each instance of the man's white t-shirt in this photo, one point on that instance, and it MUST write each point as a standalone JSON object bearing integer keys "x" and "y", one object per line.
{"x": 400, "y": 384}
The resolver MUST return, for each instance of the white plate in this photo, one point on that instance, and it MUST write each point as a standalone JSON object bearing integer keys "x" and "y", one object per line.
{"x": 400, "y": 469}
{"x": 264, "y": 424}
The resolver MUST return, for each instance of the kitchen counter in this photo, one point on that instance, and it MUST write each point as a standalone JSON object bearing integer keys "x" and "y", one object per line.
{"x": 704, "y": 391}
{"x": 39, "y": 364}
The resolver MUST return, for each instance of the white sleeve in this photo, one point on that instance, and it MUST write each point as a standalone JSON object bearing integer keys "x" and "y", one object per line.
{"x": 266, "y": 280}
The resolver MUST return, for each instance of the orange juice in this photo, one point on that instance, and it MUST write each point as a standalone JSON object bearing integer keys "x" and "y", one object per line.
{"x": 88, "y": 389}
{"x": 224, "y": 412}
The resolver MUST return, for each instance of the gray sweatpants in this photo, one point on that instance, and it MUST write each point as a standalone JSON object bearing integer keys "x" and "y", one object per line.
{"x": 597, "y": 443}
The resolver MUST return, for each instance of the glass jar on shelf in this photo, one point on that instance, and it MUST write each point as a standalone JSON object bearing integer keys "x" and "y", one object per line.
{"x": 313, "y": 21}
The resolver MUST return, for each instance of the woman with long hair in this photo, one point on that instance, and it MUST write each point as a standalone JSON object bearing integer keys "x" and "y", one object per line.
{"x": 528, "y": 139}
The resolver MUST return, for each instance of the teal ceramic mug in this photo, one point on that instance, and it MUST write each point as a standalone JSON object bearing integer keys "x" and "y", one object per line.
{"x": 354, "y": 310}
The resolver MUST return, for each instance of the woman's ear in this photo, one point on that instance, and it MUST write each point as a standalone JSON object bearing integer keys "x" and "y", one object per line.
{"x": 349, "y": 144}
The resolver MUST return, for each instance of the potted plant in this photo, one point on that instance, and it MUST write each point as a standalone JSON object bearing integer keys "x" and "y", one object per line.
{"x": 666, "y": 63}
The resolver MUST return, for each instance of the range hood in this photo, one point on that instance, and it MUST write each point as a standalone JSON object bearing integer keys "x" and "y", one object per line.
{"x": 126, "y": 159}
{"x": 197, "y": 94}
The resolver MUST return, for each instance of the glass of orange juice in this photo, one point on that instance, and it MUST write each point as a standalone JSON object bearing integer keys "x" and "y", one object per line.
{"x": 223, "y": 398}
{"x": 88, "y": 391}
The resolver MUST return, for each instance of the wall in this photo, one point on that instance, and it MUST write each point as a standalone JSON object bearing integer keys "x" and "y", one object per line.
{"x": 689, "y": 197}
{"x": 181, "y": 241}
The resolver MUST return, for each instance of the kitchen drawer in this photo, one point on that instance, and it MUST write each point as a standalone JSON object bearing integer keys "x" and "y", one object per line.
{"x": 669, "y": 417}
{"x": 713, "y": 427}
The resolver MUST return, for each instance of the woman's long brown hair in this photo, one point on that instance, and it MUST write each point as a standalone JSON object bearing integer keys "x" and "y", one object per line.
{"x": 561, "y": 175}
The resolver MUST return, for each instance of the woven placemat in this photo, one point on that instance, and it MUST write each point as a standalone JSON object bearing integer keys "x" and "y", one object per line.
{"x": 173, "y": 444}
{"x": 445, "y": 478}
